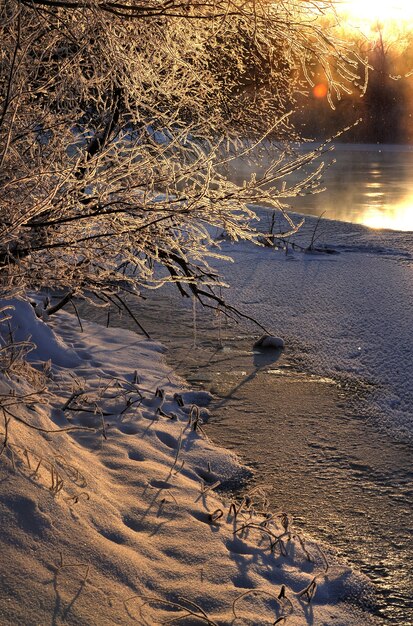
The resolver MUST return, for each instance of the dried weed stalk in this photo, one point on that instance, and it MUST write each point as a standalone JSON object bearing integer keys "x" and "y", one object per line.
{"x": 186, "y": 607}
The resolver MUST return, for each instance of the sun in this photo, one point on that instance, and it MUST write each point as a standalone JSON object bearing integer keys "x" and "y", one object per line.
{"x": 362, "y": 12}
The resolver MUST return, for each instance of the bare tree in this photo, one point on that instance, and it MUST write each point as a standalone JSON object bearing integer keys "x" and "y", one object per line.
{"x": 116, "y": 119}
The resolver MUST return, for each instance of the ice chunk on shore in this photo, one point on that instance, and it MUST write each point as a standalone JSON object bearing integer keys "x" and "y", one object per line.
{"x": 269, "y": 342}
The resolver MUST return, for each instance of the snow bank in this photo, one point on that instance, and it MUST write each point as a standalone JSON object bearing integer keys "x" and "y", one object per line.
{"x": 118, "y": 519}
{"x": 25, "y": 327}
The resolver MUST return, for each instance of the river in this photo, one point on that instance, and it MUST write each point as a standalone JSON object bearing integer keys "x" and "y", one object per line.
{"x": 364, "y": 184}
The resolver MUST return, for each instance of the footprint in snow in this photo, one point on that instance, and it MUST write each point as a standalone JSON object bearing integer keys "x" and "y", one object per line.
{"x": 160, "y": 484}
{"x": 166, "y": 439}
{"x": 112, "y": 535}
{"x": 129, "y": 428}
{"x": 133, "y": 523}
{"x": 135, "y": 455}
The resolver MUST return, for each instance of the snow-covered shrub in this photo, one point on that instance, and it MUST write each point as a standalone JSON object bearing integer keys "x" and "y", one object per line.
{"x": 117, "y": 123}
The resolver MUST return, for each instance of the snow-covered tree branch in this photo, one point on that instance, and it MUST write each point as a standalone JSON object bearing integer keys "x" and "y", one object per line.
{"x": 117, "y": 120}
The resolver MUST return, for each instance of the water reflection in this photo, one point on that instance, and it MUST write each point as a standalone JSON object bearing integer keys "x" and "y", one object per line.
{"x": 366, "y": 185}
{"x": 397, "y": 218}
{"x": 262, "y": 358}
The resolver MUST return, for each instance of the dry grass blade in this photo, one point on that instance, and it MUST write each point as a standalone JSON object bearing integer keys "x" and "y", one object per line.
{"x": 309, "y": 557}
{"x": 62, "y": 565}
{"x": 323, "y": 556}
{"x": 215, "y": 516}
{"x": 205, "y": 488}
{"x": 309, "y": 591}
{"x": 193, "y": 610}
{"x": 194, "y": 417}
{"x": 6, "y": 431}
{"x": 178, "y": 450}
{"x": 72, "y": 397}
{"x": 67, "y": 429}
{"x": 266, "y": 594}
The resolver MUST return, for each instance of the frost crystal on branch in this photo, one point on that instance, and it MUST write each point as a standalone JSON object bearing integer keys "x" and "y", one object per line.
{"x": 117, "y": 125}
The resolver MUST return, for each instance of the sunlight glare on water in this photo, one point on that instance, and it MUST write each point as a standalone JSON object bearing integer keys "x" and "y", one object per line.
{"x": 365, "y": 184}
{"x": 370, "y": 11}
{"x": 399, "y": 217}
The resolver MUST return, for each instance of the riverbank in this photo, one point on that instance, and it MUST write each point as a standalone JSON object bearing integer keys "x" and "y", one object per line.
{"x": 116, "y": 519}
{"x": 309, "y": 438}
{"x": 331, "y": 420}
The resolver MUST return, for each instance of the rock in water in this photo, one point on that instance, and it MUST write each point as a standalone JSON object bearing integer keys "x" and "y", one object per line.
{"x": 269, "y": 342}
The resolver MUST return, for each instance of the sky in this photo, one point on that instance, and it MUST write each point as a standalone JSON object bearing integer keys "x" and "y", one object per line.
{"x": 366, "y": 13}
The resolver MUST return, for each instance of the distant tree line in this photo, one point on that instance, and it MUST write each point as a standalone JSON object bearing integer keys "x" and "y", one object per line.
{"x": 385, "y": 109}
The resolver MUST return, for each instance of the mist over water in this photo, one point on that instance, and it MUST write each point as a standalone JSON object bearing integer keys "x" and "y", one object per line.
{"x": 367, "y": 184}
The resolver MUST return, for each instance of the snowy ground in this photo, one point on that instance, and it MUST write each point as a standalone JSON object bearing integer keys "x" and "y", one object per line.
{"x": 349, "y": 315}
{"x": 120, "y": 522}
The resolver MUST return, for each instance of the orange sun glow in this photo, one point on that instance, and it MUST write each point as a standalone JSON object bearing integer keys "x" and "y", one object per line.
{"x": 320, "y": 90}
{"x": 363, "y": 12}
